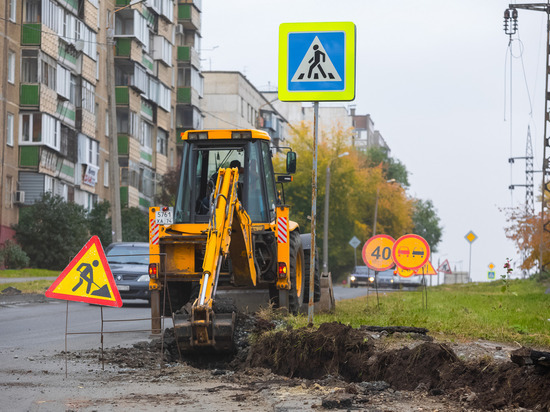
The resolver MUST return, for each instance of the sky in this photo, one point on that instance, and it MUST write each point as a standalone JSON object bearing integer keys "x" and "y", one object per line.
{"x": 449, "y": 95}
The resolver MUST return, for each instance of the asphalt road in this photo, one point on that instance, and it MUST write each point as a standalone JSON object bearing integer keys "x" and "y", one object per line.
{"x": 28, "y": 325}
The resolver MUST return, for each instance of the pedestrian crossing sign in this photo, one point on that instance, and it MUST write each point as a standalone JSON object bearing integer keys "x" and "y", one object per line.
{"x": 317, "y": 61}
{"x": 87, "y": 278}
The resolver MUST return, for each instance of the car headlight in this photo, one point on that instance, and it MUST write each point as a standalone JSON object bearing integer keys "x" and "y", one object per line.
{"x": 391, "y": 281}
{"x": 352, "y": 278}
{"x": 371, "y": 279}
{"x": 143, "y": 278}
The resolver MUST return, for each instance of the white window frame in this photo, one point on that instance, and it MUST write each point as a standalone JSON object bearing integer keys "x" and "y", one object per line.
{"x": 9, "y": 129}
{"x": 13, "y": 10}
{"x": 50, "y": 131}
{"x": 106, "y": 173}
{"x": 11, "y": 67}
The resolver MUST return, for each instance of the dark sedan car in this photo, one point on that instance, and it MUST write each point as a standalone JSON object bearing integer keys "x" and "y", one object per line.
{"x": 129, "y": 263}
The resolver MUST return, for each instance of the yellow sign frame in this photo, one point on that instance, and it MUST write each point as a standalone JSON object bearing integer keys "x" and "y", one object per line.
{"x": 287, "y": 54}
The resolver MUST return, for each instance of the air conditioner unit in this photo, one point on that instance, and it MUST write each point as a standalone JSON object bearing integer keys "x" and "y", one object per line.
{"x": 19, "y": 197}
{"x": 179, "y": 28}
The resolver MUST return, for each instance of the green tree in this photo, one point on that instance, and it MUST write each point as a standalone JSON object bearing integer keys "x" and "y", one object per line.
{"x": 99, "y": 223}
{"x": 52, "y": 232}
{"x": 135, "y": 225}
{"x": 427, "y": 223}
{"x": 168, "y": 188}
{"x": 392, "y": 168}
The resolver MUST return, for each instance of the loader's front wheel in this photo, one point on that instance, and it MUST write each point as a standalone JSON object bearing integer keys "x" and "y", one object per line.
{"x": 297, "y": 274}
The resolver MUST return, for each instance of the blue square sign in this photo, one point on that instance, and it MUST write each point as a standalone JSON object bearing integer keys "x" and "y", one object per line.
{"x": 317, "y": 61}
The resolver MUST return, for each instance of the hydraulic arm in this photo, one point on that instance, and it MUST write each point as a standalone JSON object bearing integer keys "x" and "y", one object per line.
{"x": 229, "y": 230}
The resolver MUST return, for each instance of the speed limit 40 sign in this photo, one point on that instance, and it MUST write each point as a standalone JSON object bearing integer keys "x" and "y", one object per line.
{"x": 377, "y": 252}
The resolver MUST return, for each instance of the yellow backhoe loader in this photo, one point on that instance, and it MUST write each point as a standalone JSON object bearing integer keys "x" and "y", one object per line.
{"x": 229, "y": 228}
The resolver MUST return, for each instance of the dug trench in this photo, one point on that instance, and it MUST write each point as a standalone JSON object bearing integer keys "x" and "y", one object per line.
{"x": 363, "y": 362}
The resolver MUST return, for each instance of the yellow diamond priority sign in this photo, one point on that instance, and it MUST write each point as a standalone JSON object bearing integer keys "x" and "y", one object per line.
{"x": 470, "y": 237}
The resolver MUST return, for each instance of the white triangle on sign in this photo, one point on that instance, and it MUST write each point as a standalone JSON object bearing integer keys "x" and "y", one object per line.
{"x": 316, "y": 66}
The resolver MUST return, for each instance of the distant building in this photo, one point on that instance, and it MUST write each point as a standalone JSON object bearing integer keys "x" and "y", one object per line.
{"x": 232, "y": 102}
{"x": 361, "y": 127}
{"x": 365, "y": 134}
{"x": 456, "y": 277}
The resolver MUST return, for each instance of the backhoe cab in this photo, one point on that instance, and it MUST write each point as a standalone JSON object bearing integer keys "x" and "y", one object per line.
{"x": 230, "y": 229}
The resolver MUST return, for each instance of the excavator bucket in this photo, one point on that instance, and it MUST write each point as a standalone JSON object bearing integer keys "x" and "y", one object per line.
{"x": 214, "y": 333}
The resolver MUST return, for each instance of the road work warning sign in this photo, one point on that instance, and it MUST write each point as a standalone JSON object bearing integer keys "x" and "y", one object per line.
{"x": 87, "y": 278}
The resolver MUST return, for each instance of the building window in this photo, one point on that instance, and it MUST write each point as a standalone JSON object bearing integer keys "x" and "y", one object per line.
{"x": 72, "y": 89}
{"x": 9, "y": 129}
{"x": 11, "y": 67}
{"x": 29, "y": 66}
{"x": 13, "y": 10}
{"x": 40, "y": 128}
{"x": 162, "y": 142}
{"x": 88, "y": 96}
{"x": 31, "y": 11}
{"x": 48, "y": 74}
{"x": 8, "y": 199}
{"x": 106, "y": 173}
{"x": 92, "y": 149}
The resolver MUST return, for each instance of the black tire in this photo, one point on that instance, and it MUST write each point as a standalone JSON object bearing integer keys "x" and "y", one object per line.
{"x": 297, "y": 276}
{"x": 306, "y": 242}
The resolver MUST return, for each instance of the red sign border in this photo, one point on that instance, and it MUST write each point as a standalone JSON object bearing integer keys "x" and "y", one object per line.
{"x": 402, "y": 238}
{"x": 365, "y": 246}
{"x": 115, "y": 303}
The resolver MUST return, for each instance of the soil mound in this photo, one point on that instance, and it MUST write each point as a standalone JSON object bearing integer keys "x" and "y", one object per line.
{"x": 349, "y": 354}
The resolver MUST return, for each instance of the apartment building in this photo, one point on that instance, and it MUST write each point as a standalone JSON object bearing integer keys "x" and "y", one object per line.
{"x": 54, "y": 97}
{"x": 231, "y": 101}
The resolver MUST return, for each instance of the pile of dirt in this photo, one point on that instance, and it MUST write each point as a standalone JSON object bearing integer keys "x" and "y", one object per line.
{"x": 339, "y": 350}
{"x": 336, "y": 354}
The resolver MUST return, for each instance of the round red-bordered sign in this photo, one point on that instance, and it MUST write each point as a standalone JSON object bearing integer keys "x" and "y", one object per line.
{"x": 377, "y": 252}
{"x": 410, "y": 252}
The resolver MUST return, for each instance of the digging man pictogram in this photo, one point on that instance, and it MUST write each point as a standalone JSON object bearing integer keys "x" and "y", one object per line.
{"x": 87, "y": 274}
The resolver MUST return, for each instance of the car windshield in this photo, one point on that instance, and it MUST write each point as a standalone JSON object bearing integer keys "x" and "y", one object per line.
{"x": 128, "y": 254}
{"x": 362, "y": 270}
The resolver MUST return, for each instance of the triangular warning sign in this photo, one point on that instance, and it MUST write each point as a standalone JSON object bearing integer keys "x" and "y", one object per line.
{"x": 87, "y": 278}
{"x": 316, "y": 66}
{"x": 427, "y": 269}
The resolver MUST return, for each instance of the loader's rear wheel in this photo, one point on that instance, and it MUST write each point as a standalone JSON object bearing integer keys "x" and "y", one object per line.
{"x": 294, "y": 296}
{"x": 297, "y": 273}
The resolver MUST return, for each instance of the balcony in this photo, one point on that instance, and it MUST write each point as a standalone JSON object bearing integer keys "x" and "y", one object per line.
{"x": 187, "y": 54}
{"x": 189, "y": 16}
{"x": 31, "y": 34}
{"x": 29, "y": 156}
{"x": 122, "y": 95}
{"x": 29, "y": 95}
{"x": 187, "y": 95}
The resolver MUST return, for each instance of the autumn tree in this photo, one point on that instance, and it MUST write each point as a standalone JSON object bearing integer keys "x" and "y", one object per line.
{"x": 525, "y": 231}
{"x": 427, "y": 223}
{"x": 353, "y": 191}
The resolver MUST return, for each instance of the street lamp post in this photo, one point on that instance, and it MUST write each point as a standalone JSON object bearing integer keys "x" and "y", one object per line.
{"x": 325, "y": 226}
{"x": 376, "y": 206}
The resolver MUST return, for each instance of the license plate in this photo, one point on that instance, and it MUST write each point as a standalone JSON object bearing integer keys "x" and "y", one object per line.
{"x": 124, "y": 288}
{"x": 164, "y": 217}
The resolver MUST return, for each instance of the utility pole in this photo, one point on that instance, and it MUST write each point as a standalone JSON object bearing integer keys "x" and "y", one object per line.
{"x": 114, "y": 172}
{"x": 510, "y": 28}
